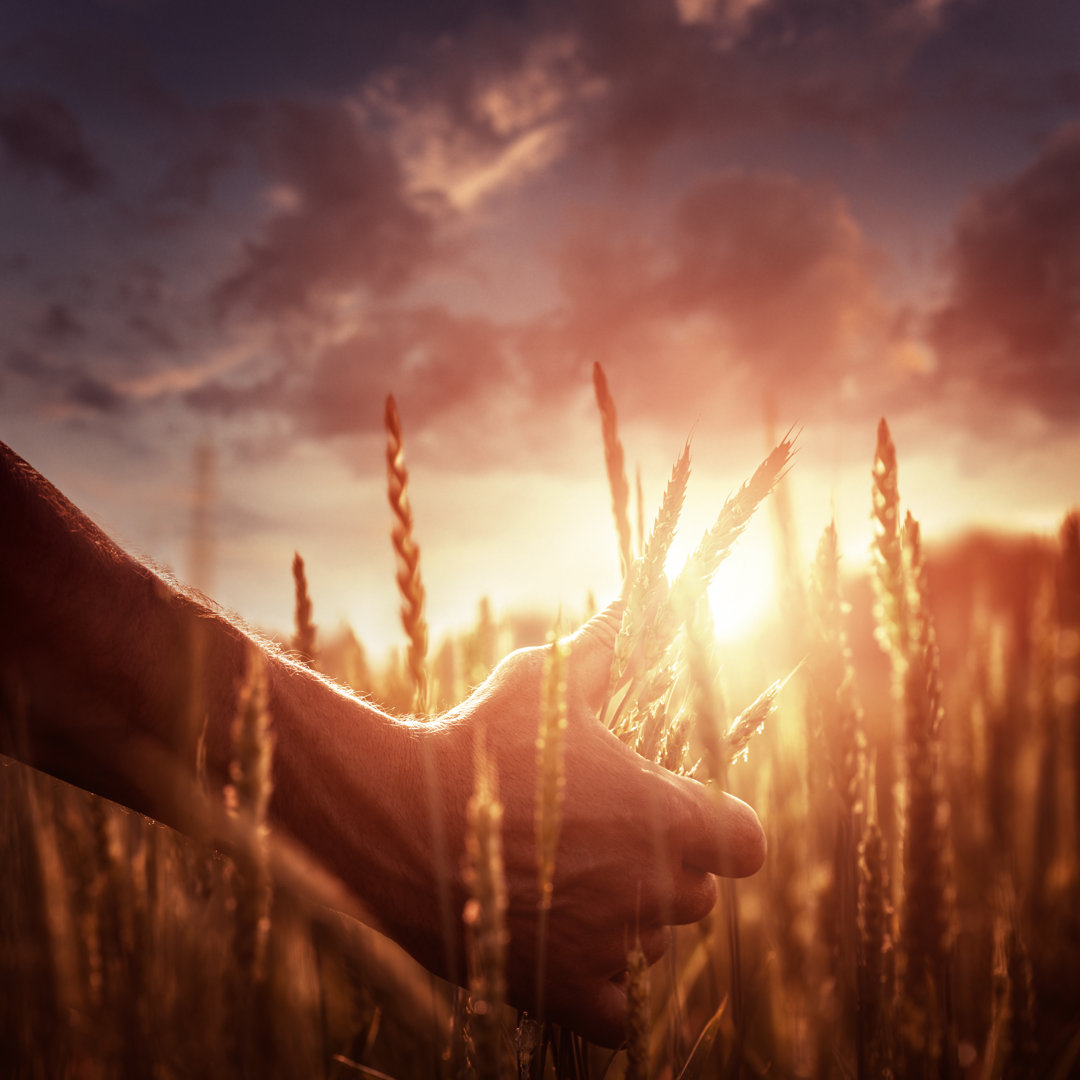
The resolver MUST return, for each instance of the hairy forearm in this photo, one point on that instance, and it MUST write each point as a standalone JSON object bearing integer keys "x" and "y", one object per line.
{"x": 111, "y": 678}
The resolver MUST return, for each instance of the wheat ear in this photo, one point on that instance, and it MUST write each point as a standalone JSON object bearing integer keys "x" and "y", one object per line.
{"x": 637, "y": 646}
{"x": 550, "y": 750}
{"x": 926, "y": 916}
{"x": 248, "y": 797}
{"x": 733, "y": 518}
{"x": 485, "y": 923}
{"x": 836, "y": 720}
{"x": 874, "y": 916}
{"x": 637, "y": 1014}
{"x": 615, "y": 460}
{"x": 304, "y": 639}
{"x": 832, "y": 681}
{"x": 407, "y": 552}
{"x": 891, "y": 598}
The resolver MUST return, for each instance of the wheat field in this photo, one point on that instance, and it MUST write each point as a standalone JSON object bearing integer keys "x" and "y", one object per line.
{"x": 911, "y": 740}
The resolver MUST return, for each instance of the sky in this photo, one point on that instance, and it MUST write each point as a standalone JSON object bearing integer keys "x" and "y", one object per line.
{"x": 228, "y": 230}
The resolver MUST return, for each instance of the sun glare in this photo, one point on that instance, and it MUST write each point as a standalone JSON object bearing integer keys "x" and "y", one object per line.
{"x": 744, "y": 591}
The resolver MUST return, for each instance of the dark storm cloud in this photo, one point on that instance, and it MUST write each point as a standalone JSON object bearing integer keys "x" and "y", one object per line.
{"x": 1011, "y": 323}
{"x": 343, "y": 222}
{"x": 42, "y": 137}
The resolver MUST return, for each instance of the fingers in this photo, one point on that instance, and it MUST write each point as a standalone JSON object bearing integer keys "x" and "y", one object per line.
{"x": 604, "y": 1020}
{"x": 722, "y": 834}
{"x": 601, "y": 1016}
{"x": 591, "y": 650}
{"x": 694, "y": 896}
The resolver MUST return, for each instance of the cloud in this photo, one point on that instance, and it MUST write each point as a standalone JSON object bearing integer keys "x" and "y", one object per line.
{"x": 42, "y": 137}
{"x": 723, "y": 68}
{"x": 507, "y": 96}
{"x": 433, "y": 361}
{"x": 1011, "y": 321}
{"x": 58, "y": 324}
{"x": 340, "y": 222}
{"x": 95, "y": 394}
{"x": 207, "y": 144}
{"x": 68, "y": 390}
{"x": 480, "y": 113}
{"x": 754, "y": 283}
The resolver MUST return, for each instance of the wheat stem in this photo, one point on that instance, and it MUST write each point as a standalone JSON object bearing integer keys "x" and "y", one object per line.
{"x": 615, "y": 462}
{"x": 485, "y": 923}
{"x": 408, "y": 557}
{"x": 550, "y": 750}
{"x": 304, "y": 638}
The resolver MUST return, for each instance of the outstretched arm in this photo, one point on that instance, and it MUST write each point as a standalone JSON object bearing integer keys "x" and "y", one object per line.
{"x": 108, "y": 674}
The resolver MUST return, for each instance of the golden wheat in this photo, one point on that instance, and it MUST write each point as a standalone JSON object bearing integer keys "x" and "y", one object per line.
{"x": 615, "y": 462}
{"x": 407, "y": 552}
{"x": 304, "y": 638}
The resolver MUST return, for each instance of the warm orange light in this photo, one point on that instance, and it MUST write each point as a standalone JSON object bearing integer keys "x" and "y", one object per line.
{"x": 743, "y": 592}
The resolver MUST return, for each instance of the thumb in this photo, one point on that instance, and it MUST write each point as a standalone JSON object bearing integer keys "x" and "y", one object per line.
{"x": 723, "y": 835}
{"x": 592, "y": 647}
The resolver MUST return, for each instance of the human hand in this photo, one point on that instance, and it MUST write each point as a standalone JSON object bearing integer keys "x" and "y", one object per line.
{"x": 637, "y": 845}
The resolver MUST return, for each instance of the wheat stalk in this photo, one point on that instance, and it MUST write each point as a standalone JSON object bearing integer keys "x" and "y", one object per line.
{"x": 413, "y": 620}
{"x": 891, "y": 607}
{"x": 706, "y": 703}
{"x": 304, "y": 638}
{"x": 836, "y": 719}
{"x": 644, "y": 635}
{"x": 407, "y": 552}
{"x": 485, "y": 923}
{"x": 615, "y": 462}
{"x": 832, "y": 682}
{"x": 637, "y": 1014}
{"x": 1010, "y": 1043}
{"x": 664, "y": 613}
{"x": 874, "y": 917}
{"x": 248, "y": 798}
{"x": 752, "y": 720}
{"x": 637, "y": 645}
{"x": 733, "y": 518}
{"x": 550, "y": 750}
{"x": 926, "y": 914}
{"x": 639, "y": 507}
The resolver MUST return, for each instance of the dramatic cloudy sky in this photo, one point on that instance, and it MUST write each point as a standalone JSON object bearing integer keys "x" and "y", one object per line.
{"x": 242, "y": 225}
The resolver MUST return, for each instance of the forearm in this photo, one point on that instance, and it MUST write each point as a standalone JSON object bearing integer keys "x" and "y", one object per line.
{"x": 110, "y": 677}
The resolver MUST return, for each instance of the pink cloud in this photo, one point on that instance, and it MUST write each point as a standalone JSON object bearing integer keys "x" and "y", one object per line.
{"x": 754, "y": 283}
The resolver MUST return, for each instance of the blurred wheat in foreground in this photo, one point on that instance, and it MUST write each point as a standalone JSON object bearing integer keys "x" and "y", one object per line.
{"x": 919, "y": 775}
